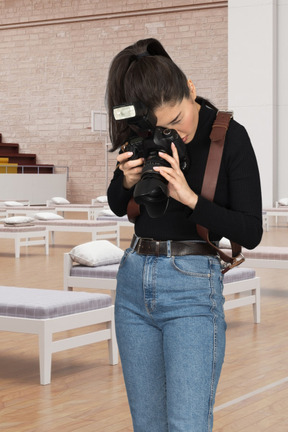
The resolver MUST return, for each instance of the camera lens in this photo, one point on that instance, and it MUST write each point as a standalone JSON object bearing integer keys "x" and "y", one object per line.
{"x": 166, "y": 131}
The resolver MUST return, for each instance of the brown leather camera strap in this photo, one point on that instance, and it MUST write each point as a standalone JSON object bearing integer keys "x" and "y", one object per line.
{"x": 217, "y": 136}
{"x": 133, "y": 210}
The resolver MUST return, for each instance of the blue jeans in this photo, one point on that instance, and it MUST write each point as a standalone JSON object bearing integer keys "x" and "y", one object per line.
{"x": 171, "y": 333}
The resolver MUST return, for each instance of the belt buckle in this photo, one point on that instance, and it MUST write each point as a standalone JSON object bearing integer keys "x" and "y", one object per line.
{"x": 239, "y": 259}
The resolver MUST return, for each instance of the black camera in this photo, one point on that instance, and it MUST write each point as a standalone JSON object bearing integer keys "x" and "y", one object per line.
{"x": 145, "y": 141}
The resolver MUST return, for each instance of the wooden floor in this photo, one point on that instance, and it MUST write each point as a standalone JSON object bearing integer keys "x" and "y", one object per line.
{"x": 88, "y": 395}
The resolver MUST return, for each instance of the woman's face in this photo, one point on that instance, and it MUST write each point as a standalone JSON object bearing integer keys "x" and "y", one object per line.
{"x": 182, "y": 116}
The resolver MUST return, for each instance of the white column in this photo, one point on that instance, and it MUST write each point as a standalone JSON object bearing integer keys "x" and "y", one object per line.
{"x": 252, "y": 82}
{"x": 282, "y": 96}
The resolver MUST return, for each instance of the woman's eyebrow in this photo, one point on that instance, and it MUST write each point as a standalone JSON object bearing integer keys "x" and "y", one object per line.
{"x": 175, "y": 119}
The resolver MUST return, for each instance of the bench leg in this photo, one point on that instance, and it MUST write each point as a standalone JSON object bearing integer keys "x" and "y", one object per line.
{"x": 17, "y": 247}
{"x": 46, "y": 238}
{"x": 45, "y": 355}
{"x": 257, "y": 304}
{"x": 52, "y": 238}
{"x": 118, "y": 235}
{"x": 112, "y": 343}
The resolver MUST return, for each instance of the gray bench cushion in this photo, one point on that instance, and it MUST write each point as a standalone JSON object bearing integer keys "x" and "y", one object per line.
{"x": 239, "y": 274}
{"x": 43, "y": 304}
{"x": 114, "y": 218}
{"x": 104, "y": 271}
{"x": 267, "y": 252}
{"x": 17, "y": 229}
{"x": 110, "y": 271}
{"x": 75, "y": 223}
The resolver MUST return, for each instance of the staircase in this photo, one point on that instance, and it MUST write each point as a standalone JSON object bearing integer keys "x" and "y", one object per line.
{"x": 24, "y": 163}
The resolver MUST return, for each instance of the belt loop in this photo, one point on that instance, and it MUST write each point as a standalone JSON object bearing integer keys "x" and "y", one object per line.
{"x": 134, "y": 242}
{"x": 157, "y": 248}
{"x": 169, "y": 248}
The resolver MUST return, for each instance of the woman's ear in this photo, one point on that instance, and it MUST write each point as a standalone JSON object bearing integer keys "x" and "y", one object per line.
{"x": 192, "y": 89}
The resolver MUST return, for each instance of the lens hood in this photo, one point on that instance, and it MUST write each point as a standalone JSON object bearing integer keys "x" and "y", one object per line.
{"x": 153, "y": 194}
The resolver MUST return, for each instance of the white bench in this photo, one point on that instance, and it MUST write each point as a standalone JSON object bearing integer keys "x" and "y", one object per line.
{"x": 240, "y": 281}
{"x": 27, "y": 210}
{"x": 98, "y": 229}
{"x": 266, "y": 257}
{"x": 25, "y": 236}
{"x": 276, "y": 212}
{"x": 45, "y": 312}
{"x": 261, "y": 256}
{"x": 120, "y": 220}
{"x": 92, "y": 210}
{"x": 4, "y": 206}
{"x": 244, "y": 285}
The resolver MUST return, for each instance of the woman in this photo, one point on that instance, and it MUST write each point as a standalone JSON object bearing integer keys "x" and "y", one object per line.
{"x": 169, "y": 305}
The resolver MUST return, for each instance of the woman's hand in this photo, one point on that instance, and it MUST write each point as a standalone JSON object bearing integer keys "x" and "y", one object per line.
{"x": 132, "y": 169}
{"x": 177, "y": 185}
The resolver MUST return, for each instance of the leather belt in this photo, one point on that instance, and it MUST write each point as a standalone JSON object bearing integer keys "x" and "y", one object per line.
{"x": 144, "y": 246}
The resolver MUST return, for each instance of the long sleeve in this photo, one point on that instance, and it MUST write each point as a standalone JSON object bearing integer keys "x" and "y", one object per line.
{"x": 236, "y": 212}
{"x": 118, "y": 196}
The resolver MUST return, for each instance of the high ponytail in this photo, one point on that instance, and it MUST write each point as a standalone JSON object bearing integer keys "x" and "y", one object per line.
{"x": 142, "y": 72}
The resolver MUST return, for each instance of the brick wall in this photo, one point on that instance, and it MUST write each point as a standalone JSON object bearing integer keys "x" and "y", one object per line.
{"x": 54, "y": 62}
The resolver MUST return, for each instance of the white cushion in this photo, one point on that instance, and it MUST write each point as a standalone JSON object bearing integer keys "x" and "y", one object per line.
{"x": 283, "y": 201}
{"x": 14, "y": 220}
{"x": 106, "y": 212}
{"x": 102, "y": 198}
{"x": 96, "y": 253}
{"x": 224, "y": 243}
{"x": 47, "y": 216}
{"x": 60, "y": 200}
{"x": 13, "y": 204}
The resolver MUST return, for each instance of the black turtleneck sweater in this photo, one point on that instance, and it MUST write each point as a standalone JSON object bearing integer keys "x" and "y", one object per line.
{"x": 235, "y": 213}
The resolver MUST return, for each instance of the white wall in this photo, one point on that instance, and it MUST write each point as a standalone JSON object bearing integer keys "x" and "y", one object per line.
{"x": 252, "y": 85}
{"x": 37, "y": 188}
{"x": 282, "y": 96}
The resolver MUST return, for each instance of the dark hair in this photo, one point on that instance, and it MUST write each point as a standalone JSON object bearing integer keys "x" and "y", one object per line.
{"x": 142, "y": 72}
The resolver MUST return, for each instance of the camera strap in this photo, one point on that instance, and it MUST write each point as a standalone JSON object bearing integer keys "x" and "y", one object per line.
{"x": 217, "y": 136}
{"x": 133, "y": 210}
